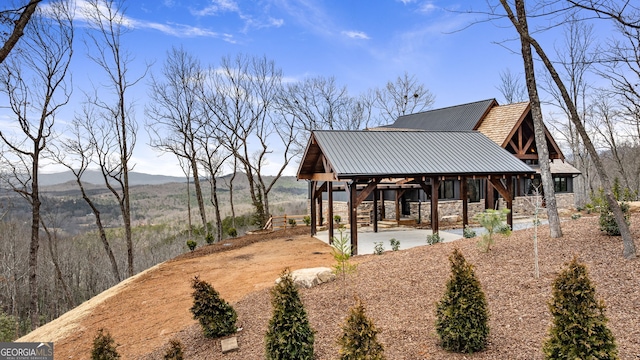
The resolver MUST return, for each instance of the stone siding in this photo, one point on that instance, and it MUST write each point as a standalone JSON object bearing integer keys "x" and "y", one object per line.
{"x": 522, "y": 205}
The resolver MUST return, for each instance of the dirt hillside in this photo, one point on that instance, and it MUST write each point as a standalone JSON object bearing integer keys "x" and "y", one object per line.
{"x": 143, "y": 312}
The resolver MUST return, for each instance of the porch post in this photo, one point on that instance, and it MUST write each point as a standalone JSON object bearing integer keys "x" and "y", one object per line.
{"x": 465, "y": 201}
{"x": 509, "y": 200}
{"x": 383, "y": 212}
{"x": 353, "y": 216}
{"x": 330, "y": 210}
{"x": 313, "y": 207}
{"x": 434, "y": 204}
{"x": 375, "y": 211}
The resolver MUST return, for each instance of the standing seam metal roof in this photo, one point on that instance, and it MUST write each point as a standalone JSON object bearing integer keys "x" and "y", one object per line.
{"x": 455, "y": 118}
{"x": 366, "y": 153}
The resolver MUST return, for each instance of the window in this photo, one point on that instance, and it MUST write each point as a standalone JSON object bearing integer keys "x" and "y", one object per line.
{"x": 473, "y": 190}
{"x": 560, "y": 184}
{"x": 446, "y": 190}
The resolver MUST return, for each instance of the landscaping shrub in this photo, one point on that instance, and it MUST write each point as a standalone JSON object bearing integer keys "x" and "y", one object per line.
{"x": 191, "y": 244}
{"x": 337, "y": 219}
{"x": 359, "y": 337}
{"x": 174, "y": 352}
{"x": 232, "y": 232}
{"x": 215, "y": 315}
{"x": 579, "y": 329}
{"x": 292, "y": 222}
{"x": 306, "y": 220}
{"x": 434, "y": 239}
{"x": 395, "y": 244}
{"x": 468, "y": 232}
{"x": 608, "y": 222}
{"x": 289, "y": 335}
{"x": 462, "y": 316}
{"x": 209, "y": 238}
{"x": 378, "y": 249}
{"x": 104, "y": 347}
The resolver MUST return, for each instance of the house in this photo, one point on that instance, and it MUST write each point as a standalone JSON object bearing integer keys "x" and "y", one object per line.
{"x": 511, "y": 127}
{"x": 426, "y": 160}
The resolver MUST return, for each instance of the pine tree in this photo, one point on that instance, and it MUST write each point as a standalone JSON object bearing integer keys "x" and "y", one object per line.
{"x": 104, "y": 347}
{"x": 462, "y": 314}
{"x": 215, "y": 315}
{"x": 359, "y": 337}
{"x": 579, "y": 329}
{"x": 289, "y": 335}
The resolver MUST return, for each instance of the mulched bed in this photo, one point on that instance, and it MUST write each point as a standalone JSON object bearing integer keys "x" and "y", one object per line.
{"x": 400, "y": 290}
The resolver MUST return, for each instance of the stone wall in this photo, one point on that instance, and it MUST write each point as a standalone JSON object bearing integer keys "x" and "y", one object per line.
{"x": 522, "y": 205}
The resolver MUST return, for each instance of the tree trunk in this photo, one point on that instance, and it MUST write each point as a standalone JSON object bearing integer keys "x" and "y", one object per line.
{"x": 101, "y": 232}
{"x": 35, "y": 242}
{"x": 216, "y": 207}
{"x": 198, "y": 188}
{"x": 538, "y": 124}
{"x": 56, "y": 265}
{"x": 629, "y": 248}
{"x": 18, "y": 30}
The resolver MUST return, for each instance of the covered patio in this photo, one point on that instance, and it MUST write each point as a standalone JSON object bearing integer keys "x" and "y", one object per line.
{"x": 367, "y": 162}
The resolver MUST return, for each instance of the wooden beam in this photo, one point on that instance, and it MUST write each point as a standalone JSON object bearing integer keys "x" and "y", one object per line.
{"x": 322, "y": 188}
{"x": 353, "y": 217}
{"x": 509, "y": 181}
{"x": 313, "y": 207}
{"x": 330, "y": 212}
{"x": 318, "y": 177}
{"x": 435, "y": 184}
{"x": 375, "y": 211}
{"x": 502, "y": 189}
{"x": 399, "y": 193}
{"x": 465, "y": 200}
{"x": 366, "y": 191}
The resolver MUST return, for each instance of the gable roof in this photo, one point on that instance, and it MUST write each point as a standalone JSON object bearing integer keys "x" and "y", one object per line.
{"x": 462, "y": 117}
{"x": 501, "y": 121}
{"x": 338, "y": 155}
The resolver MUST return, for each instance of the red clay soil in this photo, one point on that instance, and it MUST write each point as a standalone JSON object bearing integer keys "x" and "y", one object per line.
{"x": 143, "y": 312}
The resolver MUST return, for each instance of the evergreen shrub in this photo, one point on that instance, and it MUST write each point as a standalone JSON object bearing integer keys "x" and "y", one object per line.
{"x": 216, "y": 317}
{"x": 579, "y": 328}
{"x": 462, "y": 317}
{"x": 104, "y": 347}
{"x": 359, "y": 337}
{"x": 174, "y": 352}
{"x": 289, "y": 335}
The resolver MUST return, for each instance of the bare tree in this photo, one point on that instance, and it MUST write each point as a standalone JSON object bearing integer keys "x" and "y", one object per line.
{"x": 629, "y": 249}
{"x": 17, "y": 20}
{"x": 519, "y": 21}
{"x": 37, "y": 87}
{"x": 625, "y": 13}
{"x": 241, "y": 96}
{"x": 511, "y": 88}
{"x": 174, "y": 110}
{"x": 403, "y": 96}
{"x": 576, "y": 57}
{"x": 116, "y": 134}
{"x": 76, "y": 152}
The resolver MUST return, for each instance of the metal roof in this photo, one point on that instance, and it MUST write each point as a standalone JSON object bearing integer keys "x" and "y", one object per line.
{"x": 455, "y": 118}
{"x": 399, "y": 153}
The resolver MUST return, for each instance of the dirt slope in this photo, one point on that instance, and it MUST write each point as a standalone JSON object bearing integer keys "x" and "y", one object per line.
{"x": 143, "y": 312}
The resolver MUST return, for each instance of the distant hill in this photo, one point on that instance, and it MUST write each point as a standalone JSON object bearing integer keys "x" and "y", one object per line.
{"x": 95, "y": 177}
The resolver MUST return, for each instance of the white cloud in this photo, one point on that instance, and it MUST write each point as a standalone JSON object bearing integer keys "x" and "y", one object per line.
{"x": 405, "y": 2}
{"x": 356, "y": 34}
{"x": 216, "y": 7}
{"x": 427, "y": 8}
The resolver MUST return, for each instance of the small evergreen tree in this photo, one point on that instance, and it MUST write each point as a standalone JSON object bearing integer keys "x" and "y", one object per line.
{"x": 359, "y": 337}
{"x": 579, "y": 329}
{"x": 494, "y": 222}
{"x": 462, "y": 316}
{"x": 215, "y": 315}
{"x": 174, "y": 352}
{"x": 104, "y": 347}
{"x": 289, "y": 335}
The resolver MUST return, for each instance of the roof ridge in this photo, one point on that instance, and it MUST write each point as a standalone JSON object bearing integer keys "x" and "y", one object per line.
{"x": 451, "y": 107}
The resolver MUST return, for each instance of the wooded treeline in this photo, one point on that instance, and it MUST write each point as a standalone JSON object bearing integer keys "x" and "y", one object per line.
{"x": 238, "y": 115}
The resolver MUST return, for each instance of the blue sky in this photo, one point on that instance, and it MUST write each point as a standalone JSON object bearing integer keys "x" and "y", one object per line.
{"x": 362, "y": 43}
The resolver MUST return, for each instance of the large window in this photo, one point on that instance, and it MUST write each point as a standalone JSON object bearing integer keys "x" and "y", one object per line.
{"x": 473, "y": 190}
{"x": 446, "y": 190}
{"x": 560, "y": 184}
